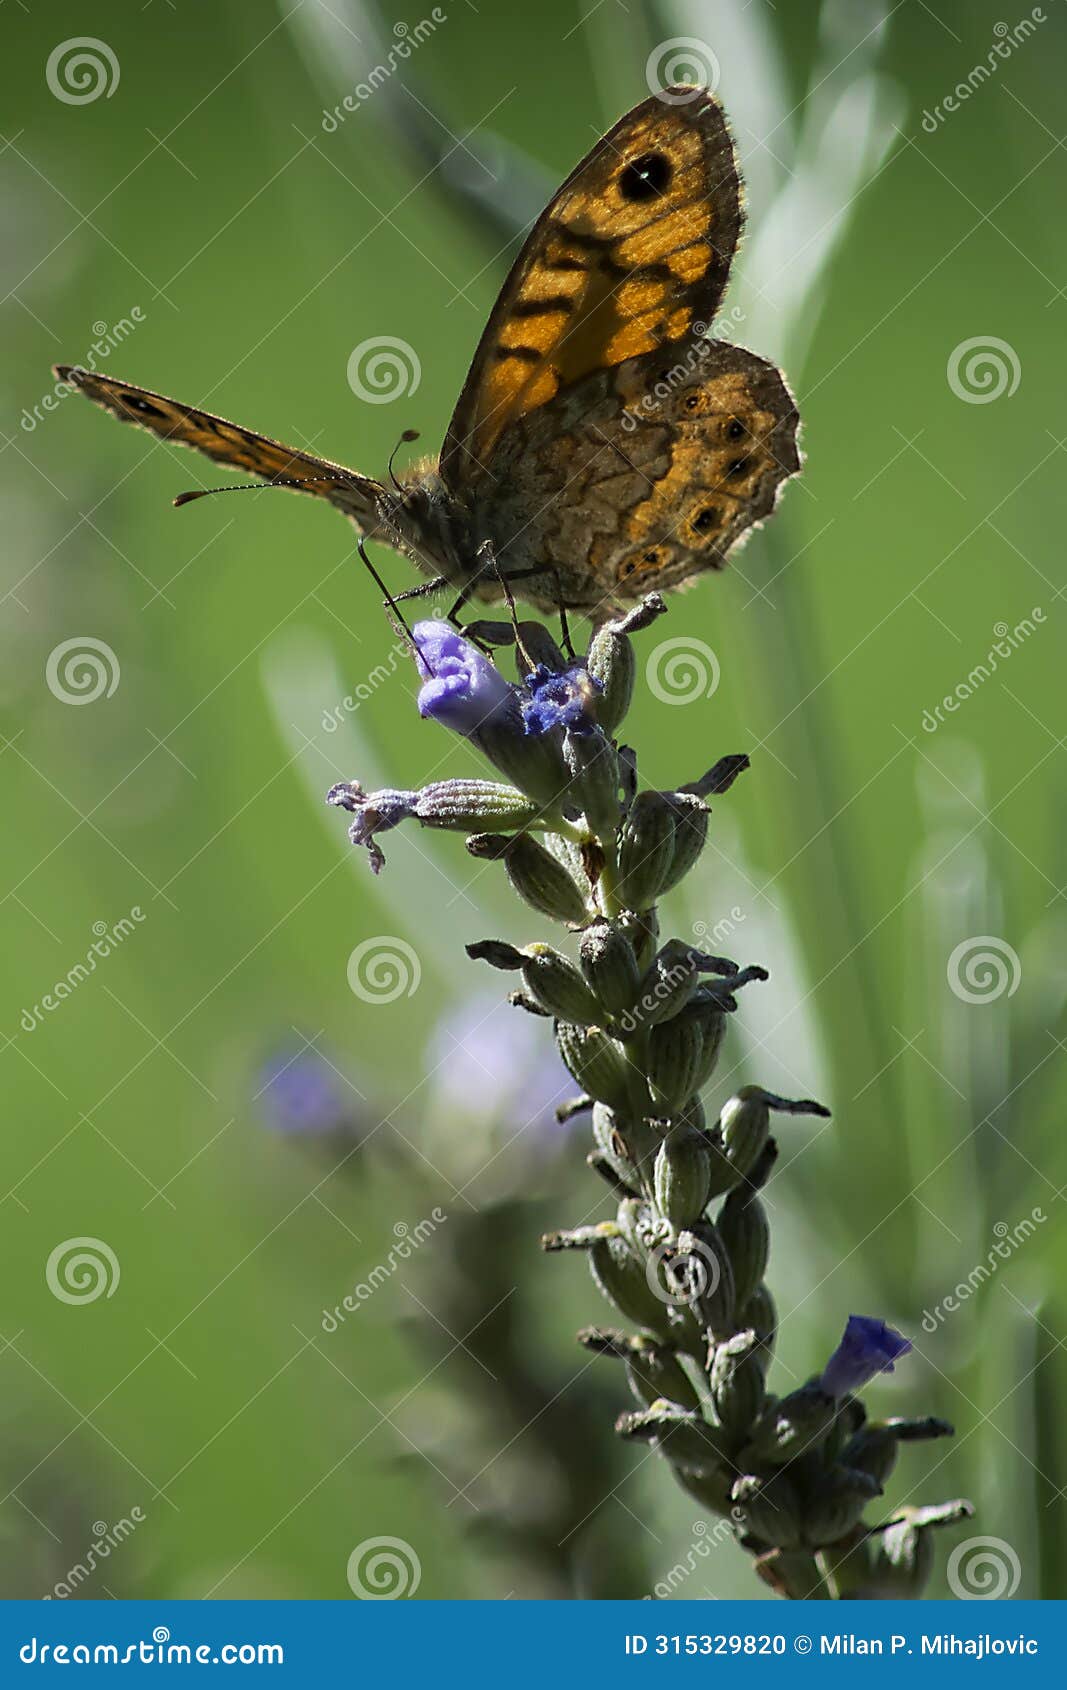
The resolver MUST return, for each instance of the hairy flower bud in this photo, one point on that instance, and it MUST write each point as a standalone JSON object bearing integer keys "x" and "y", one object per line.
{"x": 645, "y": 850}
{"x": 599, "y": 1064}
{"x": 682, "y": 1054}
{"x": 690, "y": 836}
{"x": 611, "y": 661}
{"x": 771, "y": 1509}
{"x": 557, "y": 985}
{"x": 836, "y": 1502}
{"x": 607, "y": 957}
{"x": 742, "y": 1223}
{"x": 737, "y": 1382}
{"x": 681, "y": 1176}
{"x": 541, "y": 880}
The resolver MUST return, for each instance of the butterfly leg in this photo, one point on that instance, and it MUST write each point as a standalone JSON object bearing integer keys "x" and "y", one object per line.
{"x": 425, "y": 590}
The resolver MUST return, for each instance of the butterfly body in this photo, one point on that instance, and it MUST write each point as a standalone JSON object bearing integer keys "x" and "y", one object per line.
{"x": 603, "y": 444}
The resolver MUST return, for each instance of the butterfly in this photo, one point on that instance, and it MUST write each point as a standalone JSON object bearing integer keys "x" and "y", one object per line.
{"x": 603, "y": 445}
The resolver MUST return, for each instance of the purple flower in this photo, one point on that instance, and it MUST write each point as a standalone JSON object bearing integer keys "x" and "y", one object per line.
{"x": 461, "y": 688}
{"x": 303, "y": 1095}
{"x": 375, "y": 812}
{"x": 560, "y": 699}
{"x": 867, "y": 1348}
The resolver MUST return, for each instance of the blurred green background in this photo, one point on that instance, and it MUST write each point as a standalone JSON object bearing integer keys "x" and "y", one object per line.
{"x": 247, "y": 1135}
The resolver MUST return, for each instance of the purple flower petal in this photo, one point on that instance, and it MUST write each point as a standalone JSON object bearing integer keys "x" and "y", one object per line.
{"x": 868, "y": 1347}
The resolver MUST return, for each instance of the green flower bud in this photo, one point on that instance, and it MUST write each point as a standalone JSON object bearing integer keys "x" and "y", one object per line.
{"x": 652, "y": 1370}
{"x": 742, "y": 1223}
{"x": 745, "y": 1120}
{"x": 681, "y": 1176}
{"x": 682, "y": 1054}
{"x": 666, "y": 988}
{"x": 475, "y": 806}
{"x": 558, "y": 986}
{"x": 760, "y": 1313}
{"x": 875, "y": 1446}
{"x": 621, "y": 1277}
{"x": 902, "y": 1553}
{"x": 837, "y": 1503}
{"x": 611, "y": 661}
{"x": 771, "y": 1509}
{"x": 683, "y": 1435}
{"x": 645, "y": 850}
{"x": 619, "y": 1140}
{"x": 711, "y": 1490}
{"x": 544, "y": 883}
{"x": 715, "y": 1304}
{"x": 745, "y": 1127}
{"x": 594, "y": 770}
{"x": 690, "y": 836}
{"x": 599, "y": 1064}
{"x": 795, "y": 1425}
{"x": 607, "y": 956}
{"x": 737, "y": 1383}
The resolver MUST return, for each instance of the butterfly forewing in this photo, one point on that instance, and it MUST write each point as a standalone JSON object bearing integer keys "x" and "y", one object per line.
{"x": 228, "y": 443}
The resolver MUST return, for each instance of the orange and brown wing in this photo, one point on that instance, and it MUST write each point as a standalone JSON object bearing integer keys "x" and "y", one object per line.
{"x": 226, "y": 442}
{"x": 631, "y": 255}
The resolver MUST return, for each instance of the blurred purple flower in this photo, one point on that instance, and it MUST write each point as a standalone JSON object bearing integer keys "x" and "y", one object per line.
{"x": 303, "y": 1096}
{"x": 490, "y": 1061}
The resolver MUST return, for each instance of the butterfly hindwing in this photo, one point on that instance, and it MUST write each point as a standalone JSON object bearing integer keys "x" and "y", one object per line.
{"x": 228, "y": 443}
{"x": 633, "y": 251}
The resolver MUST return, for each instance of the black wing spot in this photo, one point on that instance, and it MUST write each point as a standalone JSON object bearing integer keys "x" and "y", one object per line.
{"x": 735, "y": 429}
{"x": 740, "y": 466}
{"x": 705, "y": 519}
{"x": 645, "y": 178}
{"x": 143, "y": 406}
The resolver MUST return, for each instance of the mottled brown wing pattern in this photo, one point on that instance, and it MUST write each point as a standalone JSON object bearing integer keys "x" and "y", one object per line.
{"x": 227, "y": 443}
{"x": 643, "y": 476}
{"x": 634, "y": 250}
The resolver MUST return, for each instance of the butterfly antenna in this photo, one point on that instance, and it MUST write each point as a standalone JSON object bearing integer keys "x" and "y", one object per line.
{"x": 406, "y": 438}
{"x": 249, "y": 487}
